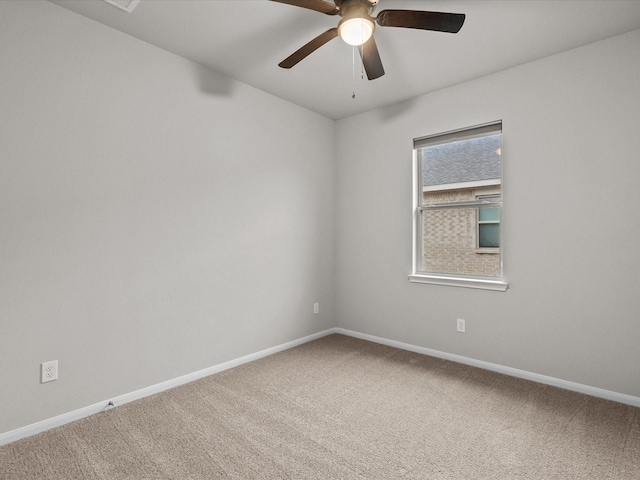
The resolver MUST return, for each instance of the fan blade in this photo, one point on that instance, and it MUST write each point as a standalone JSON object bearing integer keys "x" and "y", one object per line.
{"x": 438, "y": 21}
{"x": 309, "y": 48}
{"x": 317, "y": 5}
{"x": 371, "y": 59}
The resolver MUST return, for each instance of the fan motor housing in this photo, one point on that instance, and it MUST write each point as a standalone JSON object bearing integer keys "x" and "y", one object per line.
{"x": 356, "y": 8}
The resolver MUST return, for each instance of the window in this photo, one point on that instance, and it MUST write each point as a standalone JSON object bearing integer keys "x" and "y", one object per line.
{"x": 488, "y": 224}
{"x": 457, "y": 211}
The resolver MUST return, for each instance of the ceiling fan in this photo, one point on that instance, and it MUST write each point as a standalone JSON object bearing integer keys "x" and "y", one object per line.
{"x": 356, "y": 27}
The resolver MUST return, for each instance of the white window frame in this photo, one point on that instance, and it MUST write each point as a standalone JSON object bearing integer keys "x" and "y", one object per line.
{"x": 456, "y": 280}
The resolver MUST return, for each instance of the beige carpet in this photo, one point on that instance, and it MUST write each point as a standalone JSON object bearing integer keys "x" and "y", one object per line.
{"x": 342, "y": 408}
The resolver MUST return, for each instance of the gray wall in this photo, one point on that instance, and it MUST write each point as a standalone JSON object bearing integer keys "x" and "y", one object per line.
{"x": 154, "y": 219}
{"x": 571, "y": 221}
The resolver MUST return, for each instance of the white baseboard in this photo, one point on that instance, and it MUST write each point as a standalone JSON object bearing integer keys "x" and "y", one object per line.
{"x": 513, "y": 372}
{"x": 69, "y": 417}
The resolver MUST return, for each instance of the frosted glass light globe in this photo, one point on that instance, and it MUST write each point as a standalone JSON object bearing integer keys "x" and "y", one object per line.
{"x": 356, "y": 31}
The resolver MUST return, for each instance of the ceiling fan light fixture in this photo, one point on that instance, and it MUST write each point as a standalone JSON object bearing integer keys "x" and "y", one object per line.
{"x": 356, "y": 31}
{"x": 357, "y": 26}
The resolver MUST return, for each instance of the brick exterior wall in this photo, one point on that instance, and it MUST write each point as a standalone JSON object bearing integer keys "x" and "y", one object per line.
{"x": 449, "y": 238}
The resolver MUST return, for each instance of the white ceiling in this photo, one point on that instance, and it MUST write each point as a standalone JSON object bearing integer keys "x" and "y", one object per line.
{"x": 246, "y": 39}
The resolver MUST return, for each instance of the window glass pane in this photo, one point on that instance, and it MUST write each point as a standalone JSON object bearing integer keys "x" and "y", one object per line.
{"x": 489, "y": 235}
{"x": 489, "y": 214}
{"x": 449, "y": 244}
{"x": 473, "y": 160}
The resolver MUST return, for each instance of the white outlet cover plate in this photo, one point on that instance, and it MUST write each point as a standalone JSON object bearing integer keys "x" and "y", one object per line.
{"x": 49, "y": 371}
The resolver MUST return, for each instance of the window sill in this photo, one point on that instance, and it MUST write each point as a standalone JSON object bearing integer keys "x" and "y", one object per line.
{"x": 487, "y": 251}
{"x": 496, "y": 285}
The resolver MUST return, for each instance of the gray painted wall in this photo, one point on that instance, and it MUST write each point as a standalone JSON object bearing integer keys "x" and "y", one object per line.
{"x": 571, "y": 221}
{"x": 154, "y": 219}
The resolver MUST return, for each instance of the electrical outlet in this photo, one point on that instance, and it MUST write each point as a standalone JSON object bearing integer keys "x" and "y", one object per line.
{"x": 460, "y": 326}
{"x": 316, "y": 308}
{"x": 49, "y": 371}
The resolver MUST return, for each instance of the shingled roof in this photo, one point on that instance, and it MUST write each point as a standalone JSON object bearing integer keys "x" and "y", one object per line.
{"x": 464, "y": 161}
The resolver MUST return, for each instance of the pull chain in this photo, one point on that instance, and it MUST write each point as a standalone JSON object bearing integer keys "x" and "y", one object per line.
{"x": 353, "y": 78}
